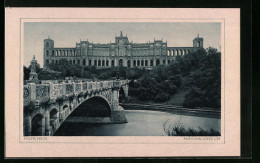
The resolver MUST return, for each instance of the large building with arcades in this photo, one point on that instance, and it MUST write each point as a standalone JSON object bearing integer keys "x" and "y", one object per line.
{"x": 121, "y": 52}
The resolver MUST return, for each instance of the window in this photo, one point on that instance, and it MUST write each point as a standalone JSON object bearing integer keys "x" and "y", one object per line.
{"x": 47, "y": 53}
{"x": 198, "y": 44}
{"x": 120, "y": 62}
{"x": 95, "y": 63}
{"x": 52, "y": 53}
{"x": 107, "y": 63}
{"x": 112, "y": 63}
{"x": 73, "y": 61}
{"x": 169, "y": 61}
{"x": 47, "y": 45}
{"x": 103, "y": 62}
{"x": 157, "y": 62}
{"x": 146, "y": 63}
{"x": 128, "y": 63}
{"x": 78, "y": 62}
{"x": 164, "y": 62}
{"x": 99, "y": 62}
{"x": 142, "y": 63}
{"x": 89, "y": 62}
{"x": 84, "y": 62}
{"x": 151, "y": 63}
{"x": 134, "y": 63}
{"x": 138, "y": 63}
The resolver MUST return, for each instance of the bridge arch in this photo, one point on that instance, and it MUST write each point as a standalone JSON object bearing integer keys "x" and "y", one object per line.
{"x": 65, "y": 107}
{"x": 38, "y": 125}
{"x": 96, "y": 106}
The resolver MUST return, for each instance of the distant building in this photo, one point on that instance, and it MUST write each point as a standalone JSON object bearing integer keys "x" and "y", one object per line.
{"x": 121, "y": 52}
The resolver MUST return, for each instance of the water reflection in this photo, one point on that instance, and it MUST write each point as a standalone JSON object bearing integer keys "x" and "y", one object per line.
{"x": 140, "y": 123}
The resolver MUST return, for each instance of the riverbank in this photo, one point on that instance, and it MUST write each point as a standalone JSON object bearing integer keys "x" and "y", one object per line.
{"x": 199, "y": 112}
{"x": 176, "y": 99}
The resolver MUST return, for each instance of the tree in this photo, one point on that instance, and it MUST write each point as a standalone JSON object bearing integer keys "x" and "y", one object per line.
{"x": 50, "y": 75}
{"x": 205, "y": 81}
{"x": 191, "y": 61}
{"x": 194, "y": 98}
{"x": 160, "y": 73}
{"x": 146, "y": 88}
{"x": 26, "y": 73}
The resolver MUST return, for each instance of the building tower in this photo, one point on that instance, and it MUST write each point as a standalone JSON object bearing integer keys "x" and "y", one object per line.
{"x": 198, "y": 42}
{"x": 48, "y": 50}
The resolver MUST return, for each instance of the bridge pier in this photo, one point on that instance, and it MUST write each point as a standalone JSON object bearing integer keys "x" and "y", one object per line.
{"x": 118, "y": 115}
{"x": 117, "y": 112}
{"x": 47, "y": 123}
{"x": 60, "y": 112}
{"x": 27, "y": 121}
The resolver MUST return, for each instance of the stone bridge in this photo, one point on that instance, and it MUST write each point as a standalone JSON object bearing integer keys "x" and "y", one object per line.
{"x": 49, "y": 104}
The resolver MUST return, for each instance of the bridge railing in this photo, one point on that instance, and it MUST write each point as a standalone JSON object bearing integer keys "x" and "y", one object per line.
{"x": 97, "y": 85}
{"x": 77, "y": 88}
{"x": 56, "y": 91}
{"x": 94, "y": 86}
{"x": 41, "y": 93}
{"x": 26, "y": 95}
{"x": 68, "y": 89}
{"x": 89, "y": 85}
{"x": 84, "y": 87}
{"x": 117, "y": 83}
{"x": 105, "y": 84}
{"x": 110, "y": 84}
{"x": 101, "y": 84}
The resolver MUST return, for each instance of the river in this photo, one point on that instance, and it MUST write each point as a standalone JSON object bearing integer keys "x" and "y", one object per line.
{"x": 140, "y": 123}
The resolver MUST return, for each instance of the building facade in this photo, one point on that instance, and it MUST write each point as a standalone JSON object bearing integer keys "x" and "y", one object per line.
{"x": 121, "y": 52}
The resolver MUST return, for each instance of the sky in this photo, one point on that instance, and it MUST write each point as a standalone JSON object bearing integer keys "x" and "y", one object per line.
{"x": 68, "y": 33}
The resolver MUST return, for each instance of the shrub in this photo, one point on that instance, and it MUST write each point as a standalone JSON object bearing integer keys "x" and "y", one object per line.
{"x": 104, "y": 76}
{"x": 178, "y": 130}
{"x": 176, "y": 80}
{"x": 161, "y": 97}
{"x": 49, "y": 75}
{"x": 193, "y": 98}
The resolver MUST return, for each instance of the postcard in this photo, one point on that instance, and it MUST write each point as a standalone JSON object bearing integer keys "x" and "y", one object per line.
{"x": 122, "y": 82}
